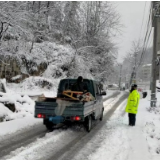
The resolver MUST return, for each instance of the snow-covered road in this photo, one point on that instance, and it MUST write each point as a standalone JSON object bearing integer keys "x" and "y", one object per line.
{"x": 47, "y": 144}
{"x": 111, "y": 139}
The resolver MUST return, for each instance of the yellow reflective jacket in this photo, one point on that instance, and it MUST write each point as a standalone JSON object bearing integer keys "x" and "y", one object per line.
{"x": 132, "y": 103}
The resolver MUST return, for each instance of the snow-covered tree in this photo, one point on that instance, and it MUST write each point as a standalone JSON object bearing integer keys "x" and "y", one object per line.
{"x": 34, "y": 32}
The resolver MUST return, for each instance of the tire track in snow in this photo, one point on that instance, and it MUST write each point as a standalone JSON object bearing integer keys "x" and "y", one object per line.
{"x": 70, "y": 151}
{"x": 6, "y": 146}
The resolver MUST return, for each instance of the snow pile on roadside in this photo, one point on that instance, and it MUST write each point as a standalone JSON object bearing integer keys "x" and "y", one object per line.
{"x": 23, "y": 106}
{"x": 35, "y": 86}
{"x": 152, "y": 128}
{"x": 10, "y": 128}
{"x": 37, "y": 82}
{"x": 18, "y": 95}
{"x": 4, "y": 111}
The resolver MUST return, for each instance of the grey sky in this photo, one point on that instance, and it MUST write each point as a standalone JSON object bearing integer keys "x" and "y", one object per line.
{"x": 131, "y": 17}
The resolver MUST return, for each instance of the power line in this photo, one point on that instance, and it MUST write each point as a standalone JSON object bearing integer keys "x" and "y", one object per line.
{"x": 151, "y": 41}
{"x": 145, "y": 47}
{"x": 142, "y": 21}
{"x": 147, "y": 36}
{"x": 146, "y": 39}
{"x": 149, "y": 33}
{"x": 147, "y": 22}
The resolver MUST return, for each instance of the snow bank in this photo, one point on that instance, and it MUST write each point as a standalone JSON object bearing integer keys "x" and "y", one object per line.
{"x": 4, "y": 111}
{"x": 38, "y": 85}
{"x": 10, "y": 127}
{"x": 23, "y": 105}
{"x": 152, "y": 127}
{"x": 23, "y": 95}
{"x": 37, "y": 82}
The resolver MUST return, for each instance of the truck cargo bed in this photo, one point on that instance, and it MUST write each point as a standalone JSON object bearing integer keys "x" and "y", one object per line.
{"x": 76, "y": 108}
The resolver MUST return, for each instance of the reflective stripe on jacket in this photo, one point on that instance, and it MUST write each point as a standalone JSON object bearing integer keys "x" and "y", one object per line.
{"x": 133, "y": 102}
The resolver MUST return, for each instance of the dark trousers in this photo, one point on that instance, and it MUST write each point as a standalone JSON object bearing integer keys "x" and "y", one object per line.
{"x": 132, "y": 119}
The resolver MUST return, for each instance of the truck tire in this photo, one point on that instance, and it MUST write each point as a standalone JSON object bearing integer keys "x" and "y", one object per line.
{"x": 101, "y": 117}
{"x": 88, "y": 123}
{"x": 49, "y": 126}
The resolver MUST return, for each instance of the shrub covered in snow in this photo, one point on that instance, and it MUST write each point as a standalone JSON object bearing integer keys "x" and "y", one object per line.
{"x": 37, "y": 82}
{"x": 22, "y": 103}
{"x": 4, "y": 112}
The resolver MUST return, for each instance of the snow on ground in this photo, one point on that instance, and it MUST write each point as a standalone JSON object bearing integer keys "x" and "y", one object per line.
{"x": 123, "y": 142}
{"x": 4, "y": 111}
{"x": 109, "y": 103}
{"x": 35, "y": 86}
{"x": 23, "y": 117}
{"x": 24, "y": 105}
{"x": 9, "y": 127}
{"x": 43, "y": 145}
{"x": 47, "y": 145}
{"x": 20, "y": 95}
{"x": 115, "y": 141}
{"x": 152, "y": 128}
{"x": 109, "y": 92}
{"x": 110, "y": 142}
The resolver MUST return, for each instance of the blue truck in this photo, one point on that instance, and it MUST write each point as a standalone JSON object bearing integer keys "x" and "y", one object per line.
{"x": 65, "y": 109}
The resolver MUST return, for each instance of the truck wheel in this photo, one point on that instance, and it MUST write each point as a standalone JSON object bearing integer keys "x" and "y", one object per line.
{"x": 88, "y": 123}
{"x": 101, "y": 117}
{"x": 49, "y": 126}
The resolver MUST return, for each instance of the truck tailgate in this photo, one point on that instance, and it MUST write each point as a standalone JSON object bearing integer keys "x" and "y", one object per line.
{"x": 78, "y": 108}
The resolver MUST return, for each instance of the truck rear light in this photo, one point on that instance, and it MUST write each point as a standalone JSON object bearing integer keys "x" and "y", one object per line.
{"x": 40, "y": 115}
{"x": 76, "y": 118}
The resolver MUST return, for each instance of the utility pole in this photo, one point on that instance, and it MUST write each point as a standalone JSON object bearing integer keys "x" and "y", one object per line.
{"x": 159, "y": 68}
{"x": 158, "y": 63}
{"x": 154, "y": 56}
